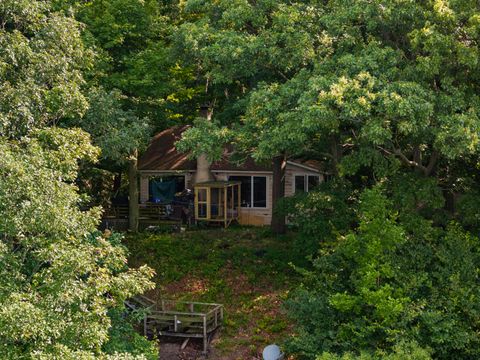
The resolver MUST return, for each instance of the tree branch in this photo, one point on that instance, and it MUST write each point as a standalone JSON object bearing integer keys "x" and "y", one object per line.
{"x": 426, "y": 170}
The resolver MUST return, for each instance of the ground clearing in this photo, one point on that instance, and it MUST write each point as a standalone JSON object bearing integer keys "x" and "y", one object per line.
{"x": 246, "y": 269}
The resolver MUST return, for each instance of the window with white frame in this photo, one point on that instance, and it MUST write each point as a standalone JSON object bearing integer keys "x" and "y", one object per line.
{"x": 306, "y": 182}
{"x": 253, "y": 190}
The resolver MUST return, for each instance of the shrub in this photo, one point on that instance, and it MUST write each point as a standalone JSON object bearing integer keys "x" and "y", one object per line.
{"x": 383, "y": 284}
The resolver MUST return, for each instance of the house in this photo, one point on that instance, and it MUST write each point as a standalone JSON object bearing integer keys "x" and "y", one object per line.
{"x": 162, "y": 170}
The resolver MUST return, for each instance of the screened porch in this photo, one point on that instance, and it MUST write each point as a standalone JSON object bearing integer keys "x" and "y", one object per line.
{"x": 218, "y": 201}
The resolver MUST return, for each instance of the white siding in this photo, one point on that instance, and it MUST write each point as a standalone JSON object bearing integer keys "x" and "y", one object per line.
{"x": 291, "y": 171}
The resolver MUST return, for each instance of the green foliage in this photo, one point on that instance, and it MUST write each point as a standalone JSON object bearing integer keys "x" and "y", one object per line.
{"x": 41, "y": 61}
{"x": 205, "y": 138}
{"x": 116, "y": 131}
{"x": 387, "y": 84}
{"x": 57, "y": 280}
{"x": 124, "y": 338}
{"x": 131, "y": 38}
{"x": 58, "y": 276}
{"x": 319, "y": 216}
{"x": 388, "y": 282}
{"x": 469, "y": 211}
{"x": 401, "y": 351}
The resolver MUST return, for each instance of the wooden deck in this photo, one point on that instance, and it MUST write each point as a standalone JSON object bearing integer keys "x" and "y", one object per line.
{"x": 184, "y": 319}
{"x": 116, "y": 217}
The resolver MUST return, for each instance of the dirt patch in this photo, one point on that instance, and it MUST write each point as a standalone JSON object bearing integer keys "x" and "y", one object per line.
{"x": 244, "y": 270}
{"x": 170, "y": 349}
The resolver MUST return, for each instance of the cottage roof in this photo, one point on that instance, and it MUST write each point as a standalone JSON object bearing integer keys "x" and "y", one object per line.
{"x": 161, "y": 155}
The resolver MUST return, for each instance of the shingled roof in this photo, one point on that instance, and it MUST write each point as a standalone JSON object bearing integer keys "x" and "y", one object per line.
{"x": 161, "y": 155}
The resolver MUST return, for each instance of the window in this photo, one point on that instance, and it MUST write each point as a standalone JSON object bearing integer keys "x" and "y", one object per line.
{"x": 313, "y": 181}
{"x": 306, "y": 183}
{"x": 202, "y": 201}
{"x": 245, "y": 189}
{"x": 253, "y": 190}
{"x": 259, "y": 191}
{"x": 299, "y": 183}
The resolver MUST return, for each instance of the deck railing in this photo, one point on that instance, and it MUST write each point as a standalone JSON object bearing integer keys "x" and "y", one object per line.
{"x": 174, "y": 318}
{"x": 146, "y": 211}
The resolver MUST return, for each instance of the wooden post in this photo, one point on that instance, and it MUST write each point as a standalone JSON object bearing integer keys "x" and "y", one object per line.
{"x": 205, "y": 338}
{"x": 239, "y": 201}
{"x": 225, "y": 205}
{"x": 195, "y": 200}
{"x": 209, "y": 203}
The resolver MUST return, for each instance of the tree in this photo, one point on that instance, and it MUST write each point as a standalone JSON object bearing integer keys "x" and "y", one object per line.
{"x": 364, "y": 84}
{"x": 132, "y": 39}
{"x": 385, "y": 283}
{"x": 236, "y": 46}
{"x": 386, "y": 93}
{"x": 41, "y": 61}
{"x": 120, "y": 134}
{"x": 59, "y": 276}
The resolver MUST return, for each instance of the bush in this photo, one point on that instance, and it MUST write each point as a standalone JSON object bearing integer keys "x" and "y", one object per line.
{"x": 123, "y": 338}
{"x": 401, "y": 351}
{"x": 383, "y": 284}
{"x": 320, "y": 215}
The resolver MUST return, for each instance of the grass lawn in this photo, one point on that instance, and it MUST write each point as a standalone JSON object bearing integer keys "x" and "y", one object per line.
{"x": 246, "y": 269}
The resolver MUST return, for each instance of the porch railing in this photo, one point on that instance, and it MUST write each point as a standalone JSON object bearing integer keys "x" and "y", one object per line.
{"x": 146, "y": 211}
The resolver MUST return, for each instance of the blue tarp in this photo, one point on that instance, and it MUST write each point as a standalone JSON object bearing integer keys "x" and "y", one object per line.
{"x": 162, "y": 191}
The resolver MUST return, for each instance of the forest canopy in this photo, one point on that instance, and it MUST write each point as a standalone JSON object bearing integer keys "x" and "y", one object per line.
{"x": 384, "y": 93}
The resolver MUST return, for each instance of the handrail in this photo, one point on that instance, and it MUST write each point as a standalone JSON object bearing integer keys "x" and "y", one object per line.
{"x": 167, "y": 312}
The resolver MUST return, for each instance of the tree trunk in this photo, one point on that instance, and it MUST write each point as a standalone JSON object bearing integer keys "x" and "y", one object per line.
{"x": 203, "y": 165}
{"x": 336, "y": 155}
{"x": 203, "y": 170}
{"x": 278, "y": 192}
{"x": 133, "y": 193}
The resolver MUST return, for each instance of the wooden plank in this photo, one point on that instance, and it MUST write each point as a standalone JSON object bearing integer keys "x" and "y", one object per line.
{"x": 205, "y": 339}
{"x": 184, "y": 344}
{"x": 225, "y": 204}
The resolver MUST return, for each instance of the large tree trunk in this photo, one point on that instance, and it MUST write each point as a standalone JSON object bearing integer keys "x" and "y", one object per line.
{"x": 133, "y": 193}
{"x": 203, "y": 165}
{"x": 203, "y": 170}
{"x": 278, "y": 192}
